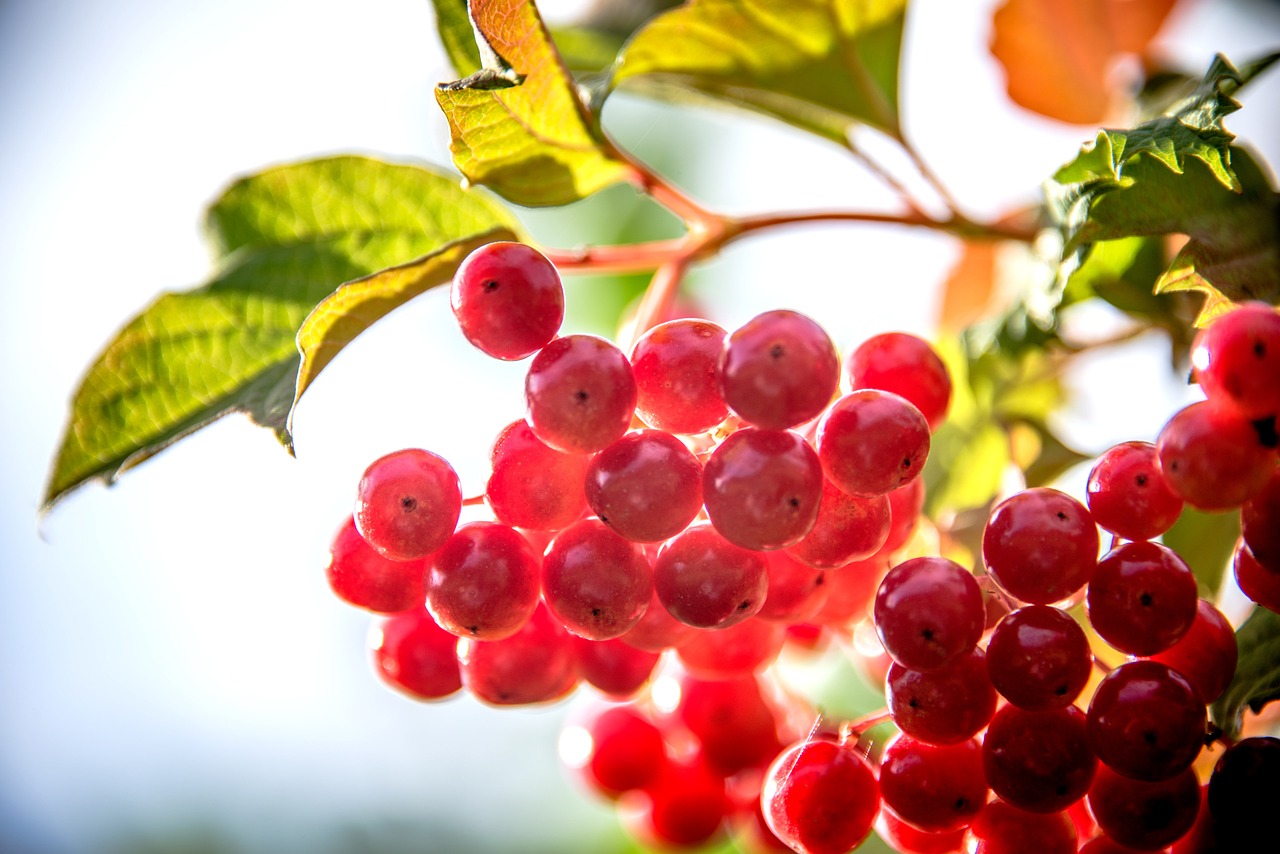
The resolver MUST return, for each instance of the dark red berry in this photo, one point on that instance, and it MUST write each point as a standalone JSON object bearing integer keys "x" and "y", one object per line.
{"x": 1146, "y": 721}
{"x": 1142, "y": 598}
{"x": 928, "y": 612}
{"x": 1213, "y": 458}
{"x": 535, "y": 665}
{"x": 1040, "y": 546}
{"x": 484, "y": 582}
{"x": 647, "y": 486}
{"x": 704, "y": 580}
{"x": 595, "y": 582}
{"x": 934, "y": 787}
{"x": 1207, "y": 653}
{"x": 1039, "y": 658}
{"x": 1038, "y": 761}
{"x": 1145, "y": 816}
{"x": 943, "y": 706}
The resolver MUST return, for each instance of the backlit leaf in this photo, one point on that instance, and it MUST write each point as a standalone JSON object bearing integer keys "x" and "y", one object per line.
{"x": 1257, "y": 679}
{"x": 287, "y": 236}
{"x": 821, "y": 65}
{"x": 456, "y": 36}
{"x": 1206, "y": 542}
{"x": 518, "y": 125}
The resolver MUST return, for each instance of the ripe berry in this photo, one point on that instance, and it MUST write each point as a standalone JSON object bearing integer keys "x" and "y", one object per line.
{"x": 613, "y": 749}
{"x": 928, "y": 612}
{"x": 1207, "y": 653}
{"x": 735, "y": 723}
{"x": 820, "y": 796}
{"x": 657, "y": 629}
{"x": 1146, "y": 816}
{"x": 408, "y": 504}
{"x": 797, "y": 591}
{"x": 676, "y": 367}
{"x": 647, "y": 486}
{"x": 1258, "y": 582}
{"x": 1260, "y": 523}
{"x": 907, "y": 366}
{"x": 1237, "y": 360}
{"x": 1146, "y": 721}
{"x": 684, "y": 807}
{"x": 362, "y": 577}
{"x": 1142, "y": 598}
{"x": 508, "y": 299}
{"x": 614, "y": 667}
{"x": 739, "y": 650}
{"x": 1038, "y": 761}
{"x": 848, "y": 528}
{"x": 595, "y": 582}
{"x": 1004, "y": 829}
{"x": 1127, "y": 494}
{"x": 535, "y": 665}
{"x": 484, "y": 582}
{"x": 414, "y": 655}
{"x": 532, "y": 485}
{"x": 580, "y": 394}
{"x": 704, "y": 580}
{"x": 943, "y": 706}
{"x": 871, "y": 442}
{"x": 762, "y": 488}
{"x": 1039, "y": 658}
{"x": 1040, "y": 546}
{"x": 778, "y": 370}
{"x": 1213, "y": 458}
{"x": 935, "y": 788}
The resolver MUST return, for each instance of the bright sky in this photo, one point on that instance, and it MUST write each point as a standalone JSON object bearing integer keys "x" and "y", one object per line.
{"x": 169, "y": 652}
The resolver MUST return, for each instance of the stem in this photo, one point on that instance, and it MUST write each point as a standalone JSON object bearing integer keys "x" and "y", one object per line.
{"x": 1102, "y": 666}
{"x": 855, "y": 729}
{"x": 929, "y": 175}
{"x": 888, "y": 178}
{"x": 627, "y": 258}
{"x": 658, "y": 298}
{"x": 473, "y": 501}
{"x": 953, "y": 225}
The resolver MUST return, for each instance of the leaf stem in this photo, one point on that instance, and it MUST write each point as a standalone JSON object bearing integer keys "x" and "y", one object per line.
{"x": 858, "y": 727}
{"x": 658, "y": 298}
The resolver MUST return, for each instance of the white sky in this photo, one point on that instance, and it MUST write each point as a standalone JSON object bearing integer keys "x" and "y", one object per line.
{"x": 169, "y": 652}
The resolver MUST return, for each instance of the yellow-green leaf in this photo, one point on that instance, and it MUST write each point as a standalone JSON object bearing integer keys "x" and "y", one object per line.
{"x": 518, "y": 125}
{"x": 821, "y": 65}
{"x": 456, "y": 35}
{"x": 287, "y": 236}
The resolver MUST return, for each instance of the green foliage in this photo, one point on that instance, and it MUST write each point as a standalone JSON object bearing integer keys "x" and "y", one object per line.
{"x": 820, "y": 65}
{"x": 1257, "y": 679}
{"x": 285, "y": 239}
{"x": 1205, "y": 541}
{"x": 457, "y": 36}
{"x": 517, "y": 125}
{"x": 1180, "y": 174}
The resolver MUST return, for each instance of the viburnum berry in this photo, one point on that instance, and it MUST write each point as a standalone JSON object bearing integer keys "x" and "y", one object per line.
{"x": 1038, "y": 761}
{"x": 908, "y": 839}
{"x": 848, "y": 528}
{"x": 483, "y": 583}
{"x": 508, "y": 299}
{"x": 1142, "y": 598}
{"x": 657, "y": 630}
{"x": 1258, "y": 582}
{"x": 580, "y": 394}
{"x": 614, "y": 667}
{"x": 613, "y": 749}
{"x": 736, "y": 725}
{"x": 738, "y": 650}
{"x": 1128, "y": 496}
{"x": 907, "y": 366}
{"x": 820, "y": 796}
{"x": 778, "y": 370}
{"x": 1244, "y": 789}
{"x": 797, "y": 591}
{"x": 934, "y": 787}
{"x": 1213, "y": 458}
{"x": 535, "y": 665}
{"x": 362, "y": 577}
{"x": 676, "y": 366}
{"x": 928, "y": 612}
{"x": 532, "y": 485}
{"x": 1236, "y": 360}
{"x": 408, "y": 503}
{"x": 1038, "y": 658}
{"x": 943, "y": 706}
{"x": 414, "y": 655}
{"x": 647, "y": 486}
{"x": 762, "y": 488}
{"x": 871, "y": 442}
{"x": 1146, "y": 721}
{"x": 706, "y": 581}
{"x": 1145, "y": 815}
{"x": 905, "y": 506}
{"x": 1002, "y": 828}
{"x": 1260, "y": 523}
{"x": 851, "y": 592}
{"x": 1040, "y": 545}
{"x": 1207, "y": 653}
{"x": 594, "y": 581}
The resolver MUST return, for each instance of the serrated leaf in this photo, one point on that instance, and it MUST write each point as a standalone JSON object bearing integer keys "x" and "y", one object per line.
{"x": 289, "y": 236}
{"x": 820, "y": 65}
{"x": 456, "y": 36}
{"x": 358, "y": 304}
{"x": 1205, "y": 541}
{"x": 518, "y": 125}
{"x": 1058, "y": 57}
{"x": 1257, "y": 679}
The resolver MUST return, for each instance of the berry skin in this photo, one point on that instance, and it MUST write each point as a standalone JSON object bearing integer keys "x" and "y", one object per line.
{"x": 1142, "y": 598}
{"x": 1146, "y": 721}
{"x": 1236, "y": 360}
{"x": 1260, "y": 523}
{"x": 508, "y": 300}
{"x": 797, "y": 591}
{"x": 735, "y": 724}
{"x": 1259, "y": 583}
{"x": 412, "y": 654}
{"x": 1038, "y": 761}
{"x": 684, "y": 808}
{"x": 778, "y": 370}
{"x": 848, "y": 528}
{"x": 614, "y": 667}
{"x": 535, "y": 665}
{"x": 534, "y": 486}
{"x": 928, "y": 612}
{"x": 820, "y": 797}
{"x": 580, "y": 394}
{"x": 1039, "y": 658}
{"x": 704, "y": 580}
{"x": 613, "y": 749}
{"x": 762, "y": 488}
{"x": 647, "y": 486}
{"x": 1127, "y": 494}
{"x": 1213, "y": 458}
{"x": 1040, "y": 546}
{"x": 360, "y": 576}
{"x": 907, "y": 366}
{"x": 942, "y": 706}
{"x": 408, "y": 504}
{"x": 676, "y": 367}
{"x": 1144, "y": 816}
{"x": 1002, "y": 828}
{"x": 935, "y": 788}
{"x": 872, "y": 442}
{"x": 1207, "y": 653}
{"x": 483, "y": 583}
{"x": 595, "y": 582}
{"x": 740, "y": 650}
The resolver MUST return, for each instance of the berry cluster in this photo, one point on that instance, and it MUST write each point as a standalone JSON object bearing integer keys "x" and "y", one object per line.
{"x": 714, "y": 496}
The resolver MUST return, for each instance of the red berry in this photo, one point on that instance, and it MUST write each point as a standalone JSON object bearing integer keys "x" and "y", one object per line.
{"x": 580, "y": 394}
{"x": 1243, "y": 790}
{"x": 1260, "y": 583}
{"x": 1039, "y": 658}
{"x": 907, "y": 366}
{"x": 872, "y": 442}
{"x": 1237, "y": 360}
{"x": 820, "y": 797}
{"x": 1142, "y": 598}
{"x": 684, "y": 808}
{"x": 1038, "y": 761}
{"x": 1260, "y": 523}
{"x": 595, "y": 582}
{"x": 508, "y": 299}
{"x": 676, "y": 368}
{"x": 414, "y": 655}
{"x": 647, "y": 486}
{"x": 1128, "y": 496}
{"x": 778, "y": 370}
{"x": 484, "y": 582}
{"x": 362, "y": 577}
{"x": 408, "y": 504}
{"x": 943, "y": 706}
{"x": 739, "y": 650}
{"x": 762, "y": 488}
{"x": 706, "y": 581}
{"x": 1213, "y": 458}
{"x": 934, "y": 787}
{"x": 1207, "y": 653}
{"x": 614, "y": 667}
{"x": 848, "y": 528}
{"x": 535, "y": 665}
{"x": 613, "y": 749}
{"x": 928, "y": 612}
{"x": 1004, "y": 829}
{"x": 1146, "y": 721}
{"x": 1040, "y": 546}
{"x": 657, "y": 629}
{"x": 532, "y": 485}
{"x": 735, "y": 723}
{"x": 1145, "y": 816}
{"x": 797, "y": 591}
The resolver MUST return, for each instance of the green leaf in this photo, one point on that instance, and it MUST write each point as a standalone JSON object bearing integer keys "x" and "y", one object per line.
{"x": 518, "y": 125}
{"x": 1205, "y": 541}
{"x": 821, "y": 65}
{"x": 288, "y": 236}
{"x": 1179, "y": 174}
{"x": 457, "y": 36}
{"x": 1257, "y": 678}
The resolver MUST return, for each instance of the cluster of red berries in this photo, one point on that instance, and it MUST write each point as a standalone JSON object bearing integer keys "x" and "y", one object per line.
{"x": 715, "y": 495}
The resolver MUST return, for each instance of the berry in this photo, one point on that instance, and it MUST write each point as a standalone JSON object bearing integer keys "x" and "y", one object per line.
{"x": 735, "y": 724}
{"x": 1260, "y": 523}
{"x": 1127, "y": 494}
{"x": 1243, "y": 790}
{"x": 657, "y": 629}
{"x": 613, "y": 749}
{"x": 614, "y": 667}
{"x": 595, "y": 582}
{"x": 848, "y": 528}
{"x": 483, "y": 583}
{"x": 943, "y": 706}
{"x": 508, "y": 300}
{"x": 1039, "y": 658}
{"x": 1004, "y": 829}
{"x": 676, "y": 368}
{"x": 408, "y": 504}
{"x": 414, "y": 655}
{"x": 360, "y": 576}
{"x": 778, "y": 370}
{"x": 797, "y": 591}
{"x": 1038, "y": 761}
{"x": 1236, "y": 360}
{"x": 647, "y": 486}
{"x": 1142, "y": 598}
{"x": 1146, "y": 816}
{"x": 1258, "y": 582}
{"x": 1040, "y": 546}
{"x": 935, "y": 788}
{"x": 739, "y": 650}
{"x": 820, "y": 796}
{"x": 534, "y": 665}
{"x": 1207, "y": 653}
{"x": 907, "y": 366}
{"x": 532, "y": 485}
{"x": 1213, "y": 458}
{"x": 762, "y": 488}
{"x": 871, "y": 442}
{"x": 685, "y": 807}
{"x": 928, "y": 612}
{"x": 1146, "y": 721}
{"x": 704, "y": 580}
{"x": 580, "y": 394}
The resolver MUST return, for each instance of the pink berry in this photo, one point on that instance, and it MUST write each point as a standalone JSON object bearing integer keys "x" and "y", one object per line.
{"x": 1237, "y": 360}
{"x": 408, "y": 504}
{"x": 907, "y": 366}
{"x": 580, "y": 393}
{"x": 872, "y": 442}
{"x": 677, "y": 375}
{"x": 508, "y": 299}
{"x": 779, "y": 370}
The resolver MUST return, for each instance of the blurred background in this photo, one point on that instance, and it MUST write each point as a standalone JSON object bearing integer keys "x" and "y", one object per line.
{"x": 174, "y": 673}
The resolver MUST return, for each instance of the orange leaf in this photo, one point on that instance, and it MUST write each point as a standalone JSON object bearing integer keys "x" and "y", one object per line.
{"x": 969, "y": 287}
